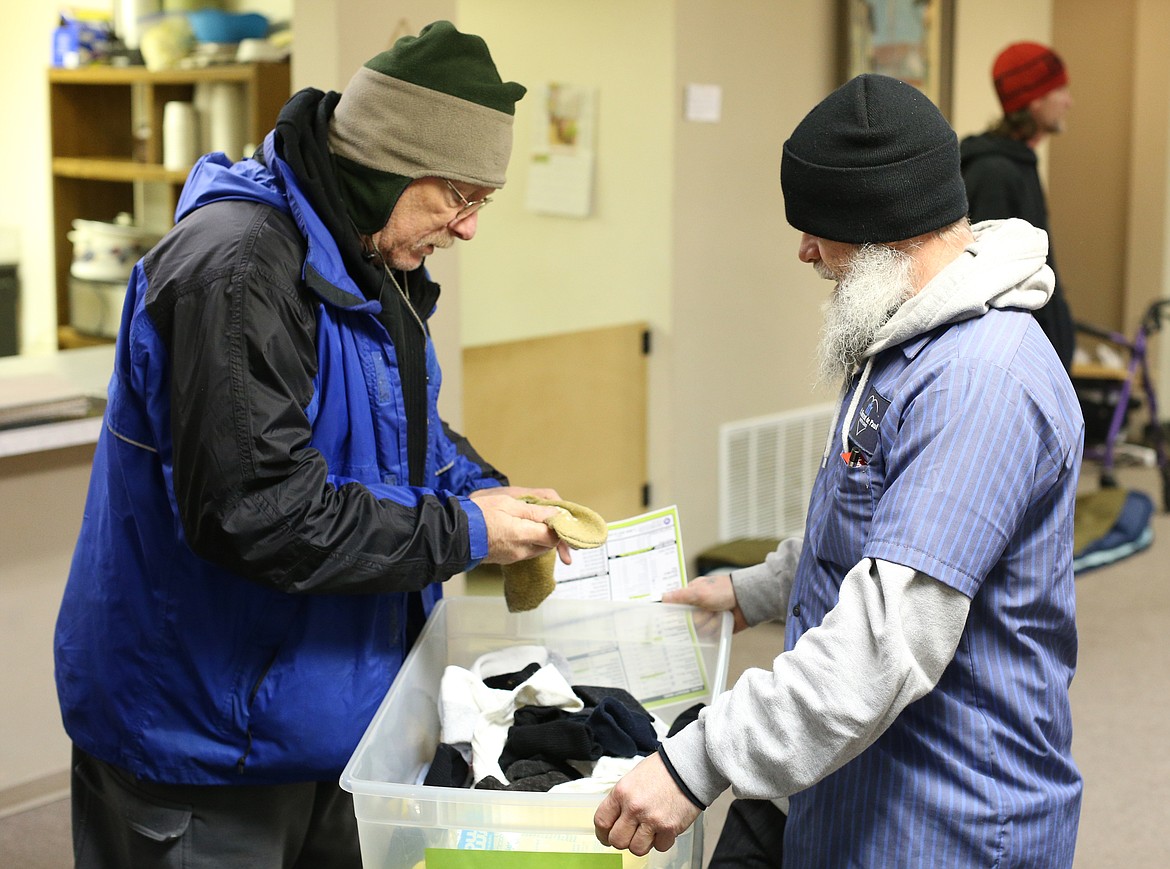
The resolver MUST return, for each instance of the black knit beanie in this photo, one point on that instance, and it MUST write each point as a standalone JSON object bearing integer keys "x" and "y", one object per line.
{"x": 875, "y": 161}
{"x": 433, "y": 105}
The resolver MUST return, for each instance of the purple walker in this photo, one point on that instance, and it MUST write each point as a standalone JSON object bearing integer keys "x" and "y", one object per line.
{"x": 1106, "y": 403}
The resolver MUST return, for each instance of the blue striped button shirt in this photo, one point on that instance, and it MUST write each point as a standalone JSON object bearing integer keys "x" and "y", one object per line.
{"x": 971, "y": 479}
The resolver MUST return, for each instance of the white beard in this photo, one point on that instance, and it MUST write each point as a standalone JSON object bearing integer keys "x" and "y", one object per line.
{"x": 873, "y": 285}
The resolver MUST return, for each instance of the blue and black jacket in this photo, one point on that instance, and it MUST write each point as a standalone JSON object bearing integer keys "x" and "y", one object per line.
{"x": 274, "y": 499}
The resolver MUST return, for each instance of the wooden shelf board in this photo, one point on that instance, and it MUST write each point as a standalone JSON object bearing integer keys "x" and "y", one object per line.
{"x": 69, "y": 338}
{"x": 124, "y": 75}
{"x": 92, "y": 110}
{"x": 110, "y": 169}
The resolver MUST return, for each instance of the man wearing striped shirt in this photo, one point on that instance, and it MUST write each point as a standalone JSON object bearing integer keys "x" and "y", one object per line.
{"x": 919, "y": 715}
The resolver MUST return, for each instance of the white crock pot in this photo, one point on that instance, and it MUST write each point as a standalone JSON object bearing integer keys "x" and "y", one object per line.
{"x": 108, "y": 251}
{"x": 95, "y": 307}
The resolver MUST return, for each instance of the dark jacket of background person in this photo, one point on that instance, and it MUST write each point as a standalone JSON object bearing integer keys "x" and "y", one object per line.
{"x": 1002, "y": 179}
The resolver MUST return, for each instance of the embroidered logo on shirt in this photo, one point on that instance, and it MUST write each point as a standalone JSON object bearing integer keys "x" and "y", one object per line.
{"x": 864, "y": 429}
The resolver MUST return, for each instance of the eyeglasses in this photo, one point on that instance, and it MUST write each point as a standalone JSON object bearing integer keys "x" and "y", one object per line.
{"x": 466, "y": 208}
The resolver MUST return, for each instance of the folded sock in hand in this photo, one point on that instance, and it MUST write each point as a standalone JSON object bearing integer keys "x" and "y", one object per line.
{"x": 528, "y": 583}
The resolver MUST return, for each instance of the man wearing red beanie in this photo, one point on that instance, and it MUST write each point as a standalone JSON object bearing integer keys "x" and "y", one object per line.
{"x": 1000, "y": 165}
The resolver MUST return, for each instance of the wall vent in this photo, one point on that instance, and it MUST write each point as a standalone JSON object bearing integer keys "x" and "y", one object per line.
{"x": 767, "y": 466}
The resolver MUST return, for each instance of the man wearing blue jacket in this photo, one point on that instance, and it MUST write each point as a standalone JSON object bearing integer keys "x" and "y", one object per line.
{"x": 275, "y": 500}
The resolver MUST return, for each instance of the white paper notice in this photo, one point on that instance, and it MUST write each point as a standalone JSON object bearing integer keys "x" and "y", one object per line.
{"x": 560, "y": 171}
{"x": 704, "y": 103}
{"x": 641, "y": 559}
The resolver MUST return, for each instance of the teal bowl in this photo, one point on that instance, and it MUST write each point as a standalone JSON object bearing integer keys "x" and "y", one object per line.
{"x": 215, "y": 25}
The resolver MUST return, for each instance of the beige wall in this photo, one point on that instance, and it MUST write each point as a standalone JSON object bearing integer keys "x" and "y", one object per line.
{"x": 745, "y": 310}
{"x": 1147, "y": 224}
{"x": 333, "y": 39}
{"x": 689, "y": 231}
{"x": 1089, "y": 164}
{"x": 1109, "y": 174}
{"x": 712, "y": 259}
{"x": 25, "y": 199}
{"x": 537, "y": 274}
{"x": 746, "y": 313}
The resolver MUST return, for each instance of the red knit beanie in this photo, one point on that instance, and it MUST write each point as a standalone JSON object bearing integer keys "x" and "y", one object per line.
{"x": 1026, "y": 71}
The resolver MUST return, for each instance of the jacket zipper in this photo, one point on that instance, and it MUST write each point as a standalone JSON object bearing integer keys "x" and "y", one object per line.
{"x": 252, "y": 699}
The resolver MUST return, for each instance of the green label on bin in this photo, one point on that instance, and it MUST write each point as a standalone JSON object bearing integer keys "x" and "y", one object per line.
{"x": 448, "y": 858}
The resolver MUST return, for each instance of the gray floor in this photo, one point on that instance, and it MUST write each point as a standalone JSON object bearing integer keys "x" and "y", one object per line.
{"x": 37, "y": 838}
{"x": 1121, "y": 703}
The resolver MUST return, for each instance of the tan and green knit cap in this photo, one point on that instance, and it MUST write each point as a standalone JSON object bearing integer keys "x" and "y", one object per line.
{"x": 432, "y": 105}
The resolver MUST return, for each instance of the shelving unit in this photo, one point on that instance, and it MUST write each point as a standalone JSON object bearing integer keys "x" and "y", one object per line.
{"x": 106, "y": 143}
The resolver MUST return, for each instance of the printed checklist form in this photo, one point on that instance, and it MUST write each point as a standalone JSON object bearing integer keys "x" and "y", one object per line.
{"x": 641, "y": 559}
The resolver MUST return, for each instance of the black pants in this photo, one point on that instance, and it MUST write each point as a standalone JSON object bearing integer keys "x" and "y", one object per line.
{"x": 120, "y": 821}
{"x": 752, "y": 837}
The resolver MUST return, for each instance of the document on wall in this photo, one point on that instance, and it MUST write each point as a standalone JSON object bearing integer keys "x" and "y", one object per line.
{"x": 641, "y": 558}
{"x": 561, "y": 167}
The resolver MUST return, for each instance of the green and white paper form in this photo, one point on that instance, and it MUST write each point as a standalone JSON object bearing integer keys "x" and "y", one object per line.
{"x": 641, "y": 558}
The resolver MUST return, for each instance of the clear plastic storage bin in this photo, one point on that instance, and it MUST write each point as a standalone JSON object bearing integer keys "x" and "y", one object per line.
{"x": 669, "y": 657}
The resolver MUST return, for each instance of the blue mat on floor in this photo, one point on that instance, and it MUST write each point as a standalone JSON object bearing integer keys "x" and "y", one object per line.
{"x": 1120, "y": 523}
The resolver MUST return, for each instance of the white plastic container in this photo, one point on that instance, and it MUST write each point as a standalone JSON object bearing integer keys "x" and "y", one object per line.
{"x": 180, "y": 135}
{"x": 226, "y": 118}
{"x": 653, "y": 650}
{"x": 108, "y": 251}
{"x": 95, "y": 307}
